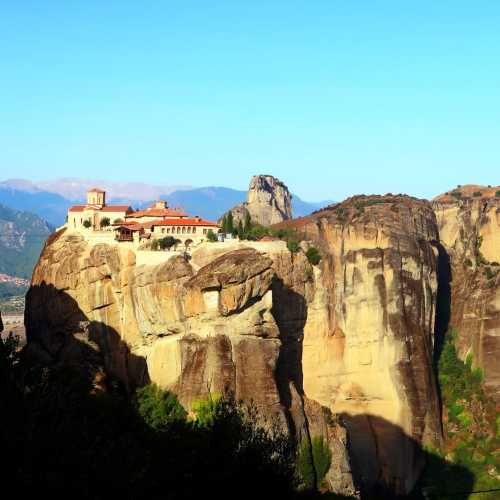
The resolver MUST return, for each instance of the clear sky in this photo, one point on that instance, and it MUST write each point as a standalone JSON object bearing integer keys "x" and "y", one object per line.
{"x": 333, "y": 97}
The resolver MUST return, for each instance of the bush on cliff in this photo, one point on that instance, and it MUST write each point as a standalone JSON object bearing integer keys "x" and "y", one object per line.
{"x": 313, "y": 256}
{"x": 314, "y": 461}
{"x": 158, "y": 408}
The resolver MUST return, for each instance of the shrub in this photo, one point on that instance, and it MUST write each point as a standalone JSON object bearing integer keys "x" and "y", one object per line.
{"x": 489, "y": 273}
{"x": 293, "y": 246}
{"x": 477, "y": 194}
{"x": 118, "y": 221}
{"x": 456, "y": 194}
{"x": 313, "y": 256}
{"x": 497, "y": 193}
{"x": 211, "y": 236}
{"x": 167, "y": 242}
{"x": 315, "y": 459}
{"x": 468, "y": 262}
{"x": 105, "y": 222}
{"x": 158, "y": 408}
{"x": 207, "y": 410}
{"x": 87, "y": 223}
{"x": 155, "y": 245}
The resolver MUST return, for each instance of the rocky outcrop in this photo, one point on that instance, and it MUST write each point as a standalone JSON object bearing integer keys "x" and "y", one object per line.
{"x": 269, "y": 202}
{"x": 209, "y": 325}
{"x": 342, "y": 349}
{"x": 367, "y": 350}
{"x": 469, "y": 226}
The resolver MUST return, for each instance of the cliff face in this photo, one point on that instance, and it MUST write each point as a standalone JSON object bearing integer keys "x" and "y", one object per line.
{"x": 368, "y": 339}
{"x": 343, "y": 349}
{"x": 469, "y": 228}
{"x": 218, "y": 323}
{"x": 269, "y": 202}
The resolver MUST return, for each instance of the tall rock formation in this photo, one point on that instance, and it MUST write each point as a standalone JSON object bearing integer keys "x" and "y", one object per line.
{"x": 367, "y": 350}
{"x": 469, "y": 226}
{"x": 208, "y": 325}
{"x": 268, "y": 202}
{"x": 342, "y": 349}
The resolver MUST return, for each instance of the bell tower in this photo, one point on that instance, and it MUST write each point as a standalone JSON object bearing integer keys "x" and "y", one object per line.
{"x": 96, "y": 197}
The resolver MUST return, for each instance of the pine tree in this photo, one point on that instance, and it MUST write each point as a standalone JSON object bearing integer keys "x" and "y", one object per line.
{"x": 230, "y": 222}
{"x": 248, "y": 223}
{"x": 240, "y": 230}
{"x": 224, "y": 225}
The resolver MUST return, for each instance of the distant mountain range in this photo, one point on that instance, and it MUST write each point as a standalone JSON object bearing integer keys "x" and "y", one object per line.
{"x": 50, "y": 200}
{"x": 22, "y": 235}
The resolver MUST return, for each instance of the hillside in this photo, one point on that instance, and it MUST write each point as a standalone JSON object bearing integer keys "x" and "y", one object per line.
{"x": 22, "y": 235}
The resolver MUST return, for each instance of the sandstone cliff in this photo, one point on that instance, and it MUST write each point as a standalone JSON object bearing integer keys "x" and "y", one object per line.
{"x": 269, "y": 202}
{"x": 342, "y": 349}
{"x": 220, "y": 322}
{"x": 469, "y": 226}
{"x": 367, "y": 349}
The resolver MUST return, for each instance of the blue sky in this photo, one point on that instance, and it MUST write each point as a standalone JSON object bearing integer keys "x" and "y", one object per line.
{"x": 333, "y": 97}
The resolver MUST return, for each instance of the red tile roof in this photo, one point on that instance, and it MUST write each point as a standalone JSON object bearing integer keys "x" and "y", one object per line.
{"x": 116, "y": 208}
{"x": 95, "y": 190}
{"x": 158, "y": 212}
{"x": 183, "y": 222}
{"x": 77, "y": 208}
{"x": 106, "y": 208}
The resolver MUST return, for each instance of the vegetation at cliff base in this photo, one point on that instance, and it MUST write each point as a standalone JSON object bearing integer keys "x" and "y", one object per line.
{"x": 61, "y": 436}
{"x": 471, "y": 431}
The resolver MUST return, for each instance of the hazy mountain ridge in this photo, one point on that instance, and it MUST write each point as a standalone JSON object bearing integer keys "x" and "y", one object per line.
{"x": 22, "y": 235}
{"x": 208, "y": 202}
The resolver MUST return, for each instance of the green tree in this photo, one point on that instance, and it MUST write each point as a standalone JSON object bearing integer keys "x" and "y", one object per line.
{"x": 105, "y": 222}
{"x": 211, "y": 236}
{"x": 230, "y": 223}
{"x": 247, "y": 227}
{"x": 158, "y": 408}
{"x": 241, "y": 233}
{"x": 167, "y": 242}
{"x": 87, "y": 223}
{"x": 293, "y": 245}
{"x": 313, "y": 256}
{"x": 224, "y": 224}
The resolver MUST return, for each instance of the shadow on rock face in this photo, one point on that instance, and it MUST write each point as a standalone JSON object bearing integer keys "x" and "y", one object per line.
{"x": 290, "y": 312}
{"x": 387, "y": 463}
{"x": 58, "y": 332}
{"x": 443, "y": 299}
{"x": 381, "y": 455}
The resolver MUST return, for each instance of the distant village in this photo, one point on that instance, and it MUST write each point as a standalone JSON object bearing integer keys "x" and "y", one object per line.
{"x": 158, "y": 221}
{"x": 5, "y": 278}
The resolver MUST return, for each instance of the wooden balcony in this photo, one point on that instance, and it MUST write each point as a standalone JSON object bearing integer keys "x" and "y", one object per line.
{"x": 124, "y": 237}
